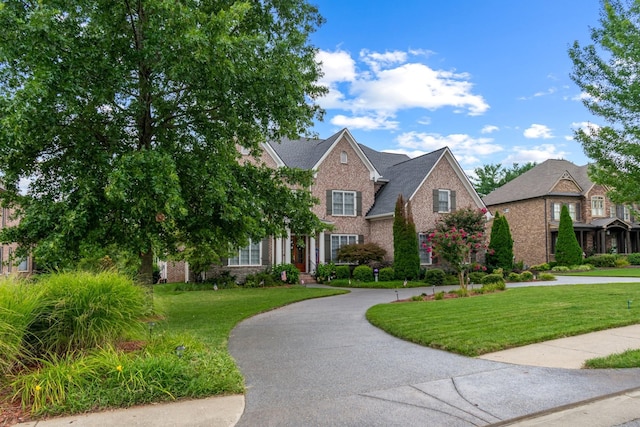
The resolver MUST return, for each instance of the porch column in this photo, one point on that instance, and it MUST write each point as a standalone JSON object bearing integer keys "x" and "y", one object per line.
{"x": 287, "y": 248}
{"x": 627, "y": 242}
{"x": 321, "y": 259}
{"x": 186, "y": 272}
{"x": 278, "y": 251}
{"x": 603, "y": 242}
{"x": 312, "y": 255}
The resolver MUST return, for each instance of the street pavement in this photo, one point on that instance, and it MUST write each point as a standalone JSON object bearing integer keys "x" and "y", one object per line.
{"x": 320, "y": 363}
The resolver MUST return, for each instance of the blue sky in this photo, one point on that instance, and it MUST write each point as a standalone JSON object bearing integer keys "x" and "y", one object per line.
{"x": 489, "y": 79}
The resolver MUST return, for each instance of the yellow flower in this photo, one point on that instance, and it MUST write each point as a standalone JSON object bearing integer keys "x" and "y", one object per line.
{"x": 119, "y": 368}
{"x": 38, "y": 388}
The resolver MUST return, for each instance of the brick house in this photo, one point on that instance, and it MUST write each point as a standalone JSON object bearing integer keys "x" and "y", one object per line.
{"x": 358, "y": 188}
{"x": 9, "y": 265}
{"x": 532, "y": 203}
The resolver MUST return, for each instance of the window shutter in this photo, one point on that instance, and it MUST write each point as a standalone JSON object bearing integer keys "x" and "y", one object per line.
{"x": 266, "y": 258}
{"x": 453, "y": 200}
{"x": 358, "y": 203}
{"x": 578, "y": 212}
{"x": 436, "y": 193}
{"x": 553, "y": 211}
{"x": 360, "y": 239}
{"x": 329, "y": 202}
{"x": 327, "y": 248}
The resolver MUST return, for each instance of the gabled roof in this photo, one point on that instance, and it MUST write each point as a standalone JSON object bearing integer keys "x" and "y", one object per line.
{"x": 540, "y": 181}
{"x": 381, "y": 160}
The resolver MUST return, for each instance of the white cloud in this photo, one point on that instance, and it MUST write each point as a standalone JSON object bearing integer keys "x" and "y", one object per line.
{"x": 388, "y": 84}
{"x": 489, "y": 129}
{"x": 536, "y": 154}
{"x": 536, "y": 131}
{"x": 465, "y": 148}
{"x": 549, "y": 91}
{"x": 365, "y": 122}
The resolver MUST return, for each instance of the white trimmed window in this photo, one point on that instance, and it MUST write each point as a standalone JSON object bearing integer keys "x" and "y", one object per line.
{"x": 340, "y": 240}
{"x": 23, "y": 265}
{"x": 627, "y": 214}
{"x": 343, "y": 203}
{"x": 597, "y": 206}
{"x": 423, "y": 245}
{"x": 572, "y": 210}
{"x": 249, "y": 255}
{"x": 444, "y": 200}
{"x": 557, "y": 208}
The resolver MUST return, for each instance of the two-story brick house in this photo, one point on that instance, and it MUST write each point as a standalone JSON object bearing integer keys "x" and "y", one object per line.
{"x": 532, "y": 203}
{"x": 358, "y": 188}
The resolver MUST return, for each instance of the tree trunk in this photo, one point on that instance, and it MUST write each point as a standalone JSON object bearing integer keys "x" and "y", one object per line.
{"x": 145, "y": 273}
{"x": 463, "y": 282}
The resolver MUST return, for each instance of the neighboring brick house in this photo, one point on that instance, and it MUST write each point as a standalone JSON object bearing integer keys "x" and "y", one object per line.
{"x": 358, "y": 188}
{"x": 9, "y": 265}
{"x": 532, "y": 203}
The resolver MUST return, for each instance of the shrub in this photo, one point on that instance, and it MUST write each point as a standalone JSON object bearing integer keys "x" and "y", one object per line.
{"x": 492, "y": 287}
{"x": 500, "y": 254}
{"x": 361, "y": 253}
{"x": 325, "y": 272}
{"x": 476, "y": 277}
{"x": 451, "y": 279}
{"x": 223, "y": 280}
{"x": 434, "y": 276}
{"x": 417, "y": 298}
{"x": 499, "y": 271}
{"x": 363, "y": 273}
{"x": 386, "y": 274}
{"x": 492, "y": 279}
{"x": 582, "y": 267}
{"x": 526, "y": 276}
{"x": 560, "y": 268}
{"x": 603, "y": 260}
{"x": 439, "y": 295}
{"x": 622, "y": 262}
{"x": 84, "y": 310}
{"x": 568, "y": 250}
{"x": 540, "y": 267}
{"x": 292, "y": 273}
{"x": 634, "y": 259}
{"x": 343, "y": 272}
{"x": 514, "y": 277}
{"x": 546, "y": 276}
{"x": 259, "y": 280}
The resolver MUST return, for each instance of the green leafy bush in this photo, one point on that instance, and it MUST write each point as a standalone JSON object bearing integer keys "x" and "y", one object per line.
{"x": 259, "y": 280}
{"x": 546, "y": 276}
{"x": 476, "y": 277}
{"x": 493, "y": 287}
{"x": 292, "y": 273}
{"x": 560, "y": 268}
{"x": 451, "y": 280}
{"x": 386, "y": 274}
{"x": 582, "y": 267}
{"x": 439, "y": 295}
{"x": 602, "y": 260}
{"x": 325, "y": 272}
{"x": 492, "y": 279}
{"x": 434, "y": 276}
{"x": 622, "y": 262}
{"x": 526, "y": 276}
{"x": 361, "y": 253}
{"x": 363, "y": 273}
{"x": 634, "y": 258}
{"x": 343, "y": 272}
{"x": 514, "y": 277}
{"x": 223, "y": 280}
{"x": 540, "y": 267}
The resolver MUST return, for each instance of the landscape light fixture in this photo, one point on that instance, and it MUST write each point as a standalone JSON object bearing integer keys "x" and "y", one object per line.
{"x": 180, "y": 350}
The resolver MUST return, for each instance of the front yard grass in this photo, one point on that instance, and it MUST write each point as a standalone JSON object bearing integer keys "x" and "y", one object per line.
{"x": 604, "y": 272}
{"x": 516, "y": 317}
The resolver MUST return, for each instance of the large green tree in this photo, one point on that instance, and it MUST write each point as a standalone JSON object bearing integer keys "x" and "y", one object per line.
{"x": 406, "y": 258}
{"x": 124, "y": 120}
{"x": 568, "y": 250}
{"x": 607, "y": 73}
{"x": 489, "y": 177}
{"x": 500, "y": 253}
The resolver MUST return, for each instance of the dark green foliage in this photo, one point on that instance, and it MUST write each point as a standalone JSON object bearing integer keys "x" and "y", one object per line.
{"x": 259, "y": 280}
{"x": 434, "y": 276}
{"x": 406, "y": 259}
{"x": 541, "y": 267}
{"x": 634, "y": 258}
{"x": 514, "y": 277}
{"x": 325, "y": 272}
{"x": 526, "y": 276}
{"x": 386, "y": 274}
{"x": 500, "y": 254}
{"x": 222, "y": 279}
{"x": 292, "y": 273}
{"x": 363, "y": 273}
{"x": 361, "y": 253}
{"x": 568, "y": 250}
{"x": 492, "y": 279}
{"x": 476, "y": 276}
{"x": 492, "y": 176}
{"x": 603, "y": 260}
{"x": 343, "y": 272}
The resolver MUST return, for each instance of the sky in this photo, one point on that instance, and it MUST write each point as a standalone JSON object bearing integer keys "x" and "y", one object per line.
{"x": 489, "y": 79}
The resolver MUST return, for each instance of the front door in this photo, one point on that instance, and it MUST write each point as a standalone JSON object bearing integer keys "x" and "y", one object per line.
{"x": 299, "y": 253}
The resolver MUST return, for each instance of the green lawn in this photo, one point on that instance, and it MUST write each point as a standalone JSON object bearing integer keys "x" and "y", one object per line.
{"x": 520, "y": 316}
{"x": 605, "y": 272}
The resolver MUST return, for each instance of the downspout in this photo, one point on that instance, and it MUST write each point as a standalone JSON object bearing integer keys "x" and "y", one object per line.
{"x": 546, "y": 232}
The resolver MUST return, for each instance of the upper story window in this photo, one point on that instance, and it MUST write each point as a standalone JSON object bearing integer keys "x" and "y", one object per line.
{"x": 343, "y": 157}
{"x": 572, "y": 211}
{"x": 249, "y": 255}
{"x": 557, "y": 208}
{"x": 343, "y": 203}
{"x": 627, "y": 214}
{"x": 597, "y": 206}
{"x": 444, "y": 200}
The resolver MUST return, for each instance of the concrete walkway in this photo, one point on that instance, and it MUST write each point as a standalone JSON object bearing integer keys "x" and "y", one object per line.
{"x": 319, "y": 362}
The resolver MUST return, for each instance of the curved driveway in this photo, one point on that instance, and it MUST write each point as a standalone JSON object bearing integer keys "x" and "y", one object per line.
{"x": 320, "y": 363}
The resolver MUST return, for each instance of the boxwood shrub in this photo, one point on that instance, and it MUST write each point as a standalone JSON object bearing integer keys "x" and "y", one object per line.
{"x": 386, "y": 274}
{"x": 363, "y": 273}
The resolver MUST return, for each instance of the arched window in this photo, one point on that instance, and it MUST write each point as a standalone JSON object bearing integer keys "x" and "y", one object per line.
{"x": 343, "y": 157}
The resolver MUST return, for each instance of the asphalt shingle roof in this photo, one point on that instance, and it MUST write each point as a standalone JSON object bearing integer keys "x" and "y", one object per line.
{"x": 538, "y": 182}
